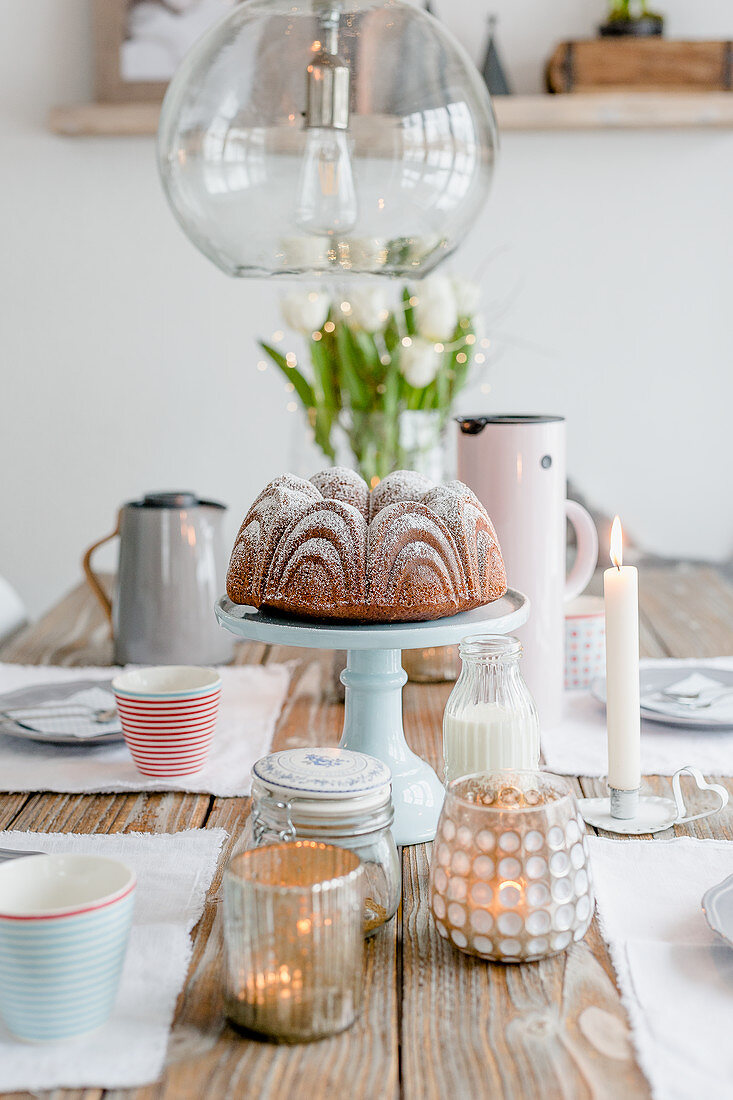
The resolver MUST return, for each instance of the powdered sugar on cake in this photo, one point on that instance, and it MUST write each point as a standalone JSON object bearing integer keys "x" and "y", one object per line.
{"x": 305, "y": 548}
{"x": 341, "y": 483}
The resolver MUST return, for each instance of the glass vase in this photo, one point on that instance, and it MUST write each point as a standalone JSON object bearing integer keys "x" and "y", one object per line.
{"x": 423, "y": 443}
{"x": 372, "y": 442}
{"x": 376, "y": 442}
{"x": 423, "y": 446}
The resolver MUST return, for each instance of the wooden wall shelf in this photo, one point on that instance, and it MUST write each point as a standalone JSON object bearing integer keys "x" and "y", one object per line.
{"x": 581, "y": 111}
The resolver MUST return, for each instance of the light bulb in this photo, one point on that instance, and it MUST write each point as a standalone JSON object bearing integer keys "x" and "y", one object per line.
{"x": 326, "y": 198}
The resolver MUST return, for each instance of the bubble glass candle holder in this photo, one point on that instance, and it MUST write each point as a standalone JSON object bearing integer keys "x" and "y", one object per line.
{"x": 294, "y": 943}
{"x": 510, "y": 878}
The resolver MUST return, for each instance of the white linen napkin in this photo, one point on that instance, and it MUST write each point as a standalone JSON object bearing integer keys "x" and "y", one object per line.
{"x": 72, "y": 715}
{"x": 174, "y": 872}
{"x": 251, "y": 699}
{"x": 578, "y": 746}
{"x": 717, "y": 695}
{"x": 675, "y": 974}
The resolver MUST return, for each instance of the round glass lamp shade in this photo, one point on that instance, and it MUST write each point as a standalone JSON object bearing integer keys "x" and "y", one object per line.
{"x": 314, "y": 136}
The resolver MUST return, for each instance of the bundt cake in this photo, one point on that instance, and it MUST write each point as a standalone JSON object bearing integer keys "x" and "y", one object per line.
{"x": 330, "y": 549}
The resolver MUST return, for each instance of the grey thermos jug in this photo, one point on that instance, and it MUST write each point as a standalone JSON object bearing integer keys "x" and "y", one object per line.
{"x": 170, "y": 574}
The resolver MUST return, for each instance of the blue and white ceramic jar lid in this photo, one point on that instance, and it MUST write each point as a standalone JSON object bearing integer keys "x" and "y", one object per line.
{"x": 322, "y": 773}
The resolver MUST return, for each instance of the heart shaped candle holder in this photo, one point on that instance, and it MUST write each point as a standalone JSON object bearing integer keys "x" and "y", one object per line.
{"x": 654, "y": 813}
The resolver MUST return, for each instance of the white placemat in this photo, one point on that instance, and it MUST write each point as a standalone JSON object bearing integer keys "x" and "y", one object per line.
{"x": 675, "y": 975}
{"x": 251, "y": 699}
{"x": 174, "y": 872}
{"x": 578, "y": 746}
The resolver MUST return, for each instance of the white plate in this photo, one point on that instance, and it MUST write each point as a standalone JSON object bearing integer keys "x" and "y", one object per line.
{"x": 717, "y": 905}
{"x": 654, "y": 679}
{"x": 38, "y": 695}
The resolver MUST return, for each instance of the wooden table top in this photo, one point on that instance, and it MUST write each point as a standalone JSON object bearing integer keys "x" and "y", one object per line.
{"x": 436, "y": 1023}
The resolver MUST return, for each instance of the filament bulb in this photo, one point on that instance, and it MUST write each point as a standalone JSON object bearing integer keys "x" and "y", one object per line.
{"x": 326, "y": 199}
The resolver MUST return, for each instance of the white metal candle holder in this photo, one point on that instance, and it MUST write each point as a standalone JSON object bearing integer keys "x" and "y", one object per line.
{"x": 652, "y": 813}
{"x": 373, "y": 679}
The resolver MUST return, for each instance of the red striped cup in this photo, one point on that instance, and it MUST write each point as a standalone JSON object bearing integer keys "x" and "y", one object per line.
{"x": 168, "y": 716}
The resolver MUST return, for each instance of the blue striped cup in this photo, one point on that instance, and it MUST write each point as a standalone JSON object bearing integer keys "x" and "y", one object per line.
{"x": 64, "y": 926}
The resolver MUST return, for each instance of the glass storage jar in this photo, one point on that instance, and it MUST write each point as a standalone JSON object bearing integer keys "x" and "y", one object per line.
{"x": 490, "y": 720}
{"x": 338, "y": 797}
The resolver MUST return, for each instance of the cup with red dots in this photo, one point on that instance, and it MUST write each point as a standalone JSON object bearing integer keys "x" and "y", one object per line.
{"x": 585, "y": 642}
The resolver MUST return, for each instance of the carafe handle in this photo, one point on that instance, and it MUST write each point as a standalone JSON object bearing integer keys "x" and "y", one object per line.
{"x": 94, "y": 582}
{"x": 586, "y": 558}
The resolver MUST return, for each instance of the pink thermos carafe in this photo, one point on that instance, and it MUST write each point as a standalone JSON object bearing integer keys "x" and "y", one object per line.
{"x": 516, "y": 467}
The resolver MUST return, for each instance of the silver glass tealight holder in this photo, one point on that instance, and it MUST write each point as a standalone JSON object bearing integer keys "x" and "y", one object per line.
{"x": 294, "y": 940}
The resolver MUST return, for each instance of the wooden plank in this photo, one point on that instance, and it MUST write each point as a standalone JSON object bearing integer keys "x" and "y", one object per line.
{"x": 105, "y": 120}
{"x": 600, "y": 111}
{"x": 76, "y": 632}
{"x": 56, "y": 1094}
{"x": 650, "y": 645}
{"x": 615, "y": 111}
{"x": 10, "y": 807}
{"x": 422, "y": 714}
{"x": 471, "y": 1028}
{"x": 691, "y": 608}
{"x": 167, "y": 812}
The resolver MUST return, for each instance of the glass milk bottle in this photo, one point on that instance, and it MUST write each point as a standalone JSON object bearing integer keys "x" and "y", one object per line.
{"x": 490, "y": 719}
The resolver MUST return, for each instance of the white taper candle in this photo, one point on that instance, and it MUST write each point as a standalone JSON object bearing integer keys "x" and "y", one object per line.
{"x": 621, "y": 593}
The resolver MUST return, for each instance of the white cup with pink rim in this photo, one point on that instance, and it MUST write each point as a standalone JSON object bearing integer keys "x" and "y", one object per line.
{"x": 585, "y": 641}
{"x": 64, "y": 927}
{"x": 168, "y": 716}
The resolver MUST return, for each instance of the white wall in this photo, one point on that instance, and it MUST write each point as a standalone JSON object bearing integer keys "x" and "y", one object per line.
{"x": 128, "y": 360}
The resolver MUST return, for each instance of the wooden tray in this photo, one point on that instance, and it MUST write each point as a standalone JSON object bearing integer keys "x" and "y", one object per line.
{"x": 640, "y": 64}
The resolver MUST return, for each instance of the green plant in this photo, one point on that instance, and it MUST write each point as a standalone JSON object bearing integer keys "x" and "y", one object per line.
{"x": 628, "y": 10}
{"x": 368, "y": 362}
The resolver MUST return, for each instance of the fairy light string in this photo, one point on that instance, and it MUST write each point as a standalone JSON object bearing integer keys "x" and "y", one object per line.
{"x": 460, "y": 349}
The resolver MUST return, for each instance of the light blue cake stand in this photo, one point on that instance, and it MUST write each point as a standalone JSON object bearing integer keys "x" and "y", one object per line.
{"x": 373, "y": 679}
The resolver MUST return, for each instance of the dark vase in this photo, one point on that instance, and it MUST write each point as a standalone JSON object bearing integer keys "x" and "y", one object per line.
{"x": 645, "y": 26}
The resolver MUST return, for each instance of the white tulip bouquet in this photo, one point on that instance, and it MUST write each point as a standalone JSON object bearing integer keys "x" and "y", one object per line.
{"x": 370, "y": 362}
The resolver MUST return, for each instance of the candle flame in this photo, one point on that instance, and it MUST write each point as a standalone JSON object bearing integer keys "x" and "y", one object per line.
{"x": 617, "y": 543}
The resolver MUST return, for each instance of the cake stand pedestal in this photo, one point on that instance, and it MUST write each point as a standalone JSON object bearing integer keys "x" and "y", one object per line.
{"x": 374, "y": 678}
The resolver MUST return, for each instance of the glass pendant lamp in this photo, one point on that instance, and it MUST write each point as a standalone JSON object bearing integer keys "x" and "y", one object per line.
{"x": 308, "y": 136}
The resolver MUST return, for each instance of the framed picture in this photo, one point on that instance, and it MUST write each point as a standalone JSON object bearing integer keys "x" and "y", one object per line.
{"x": 139, "y": 44}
